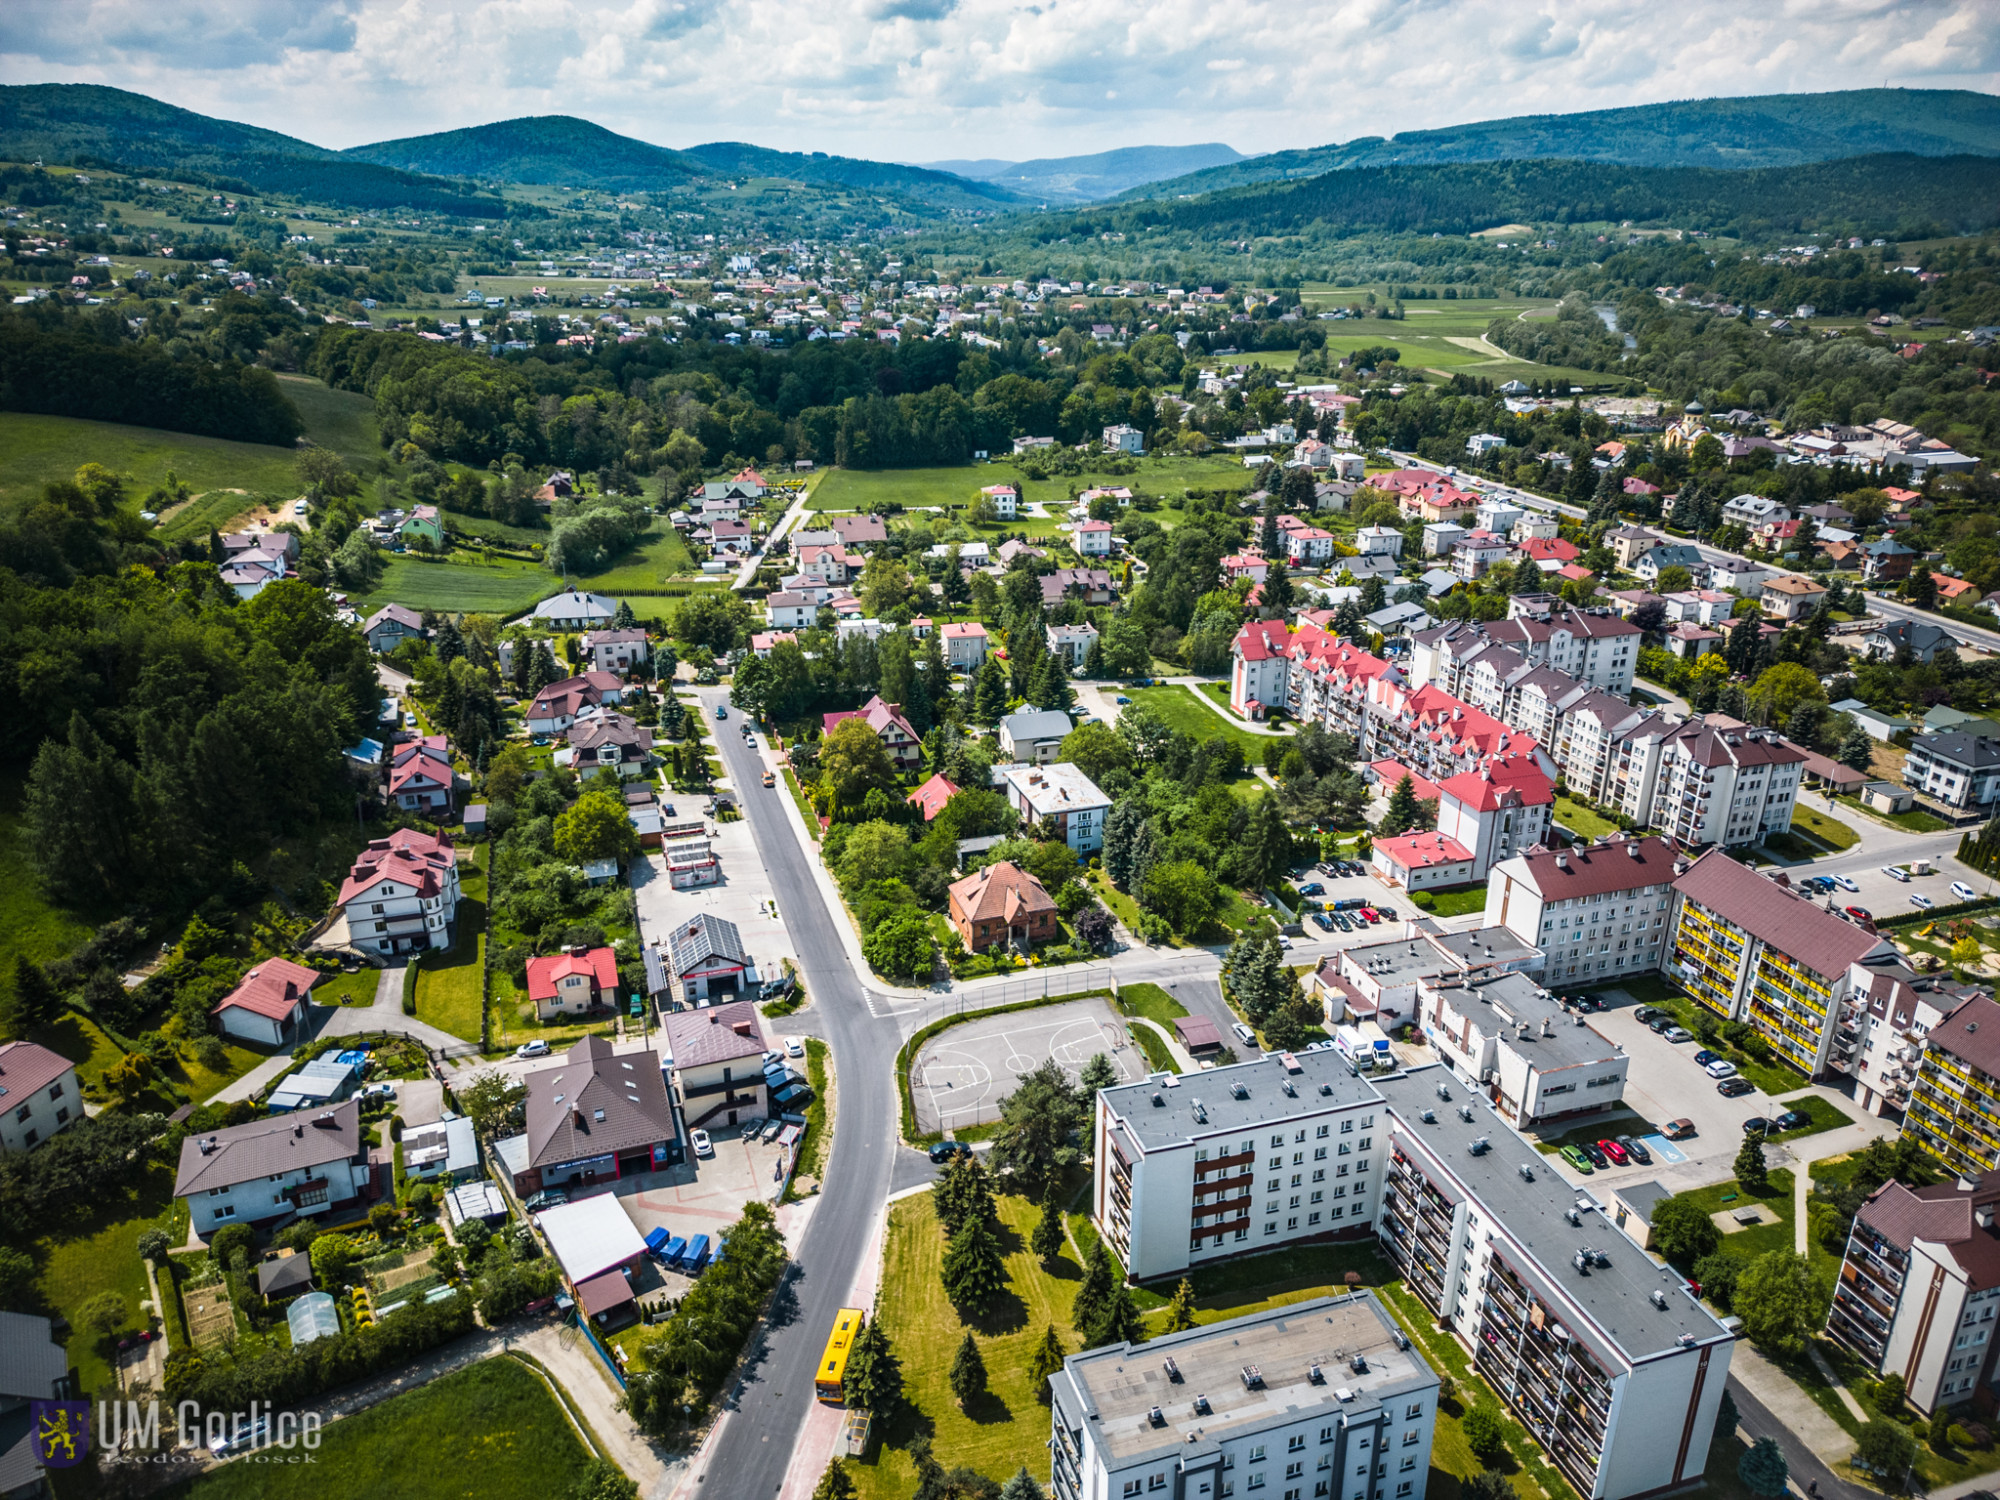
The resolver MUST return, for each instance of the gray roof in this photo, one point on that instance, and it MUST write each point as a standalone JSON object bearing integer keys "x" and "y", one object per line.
{"x": 512, "y": 1153}
{"x": 703, "y": 940}
{"x": 1971, "y": 751}
{"x": 285, "y": 1275}
{"x": 1324, "y": 1081}
{"x": 1480, "y": 946}
{"x": 1680, "y": 555}
{"x": 1503, "y": 1001}
{"x": 1617, "y": 1299}
{"x": 31, "y": 1361}
{"x": 1036, "y": 724}
{"x": 261, "y": 1148}
{"x": 1118, "y": 1386}
{"x": 597, "y": 1102}
{"x": 573, "y": 604}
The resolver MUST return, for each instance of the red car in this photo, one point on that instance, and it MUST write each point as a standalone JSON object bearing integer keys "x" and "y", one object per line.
{"x": 1615, "y": 1151}
{"x": 1369, "y": 915}
{"x": 1860, "y": 913}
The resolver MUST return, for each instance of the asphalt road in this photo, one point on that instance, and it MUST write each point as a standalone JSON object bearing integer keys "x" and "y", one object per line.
{"x": 766, "y": 1406}
{"x": 1804, "y": 1465}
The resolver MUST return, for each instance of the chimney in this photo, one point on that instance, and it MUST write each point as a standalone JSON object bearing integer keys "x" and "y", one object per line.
{"x": 741, "y": 1028}
{"x": 1562, "y": 861}
{"x": 713, "y": 1018}
{"x": 1548, "y": 1027}
{"x": 1631, "y": 849}
{"x": 1983, "y": 1216}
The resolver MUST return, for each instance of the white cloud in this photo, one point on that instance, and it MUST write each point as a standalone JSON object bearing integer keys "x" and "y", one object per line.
{"x": 926, "y": 79}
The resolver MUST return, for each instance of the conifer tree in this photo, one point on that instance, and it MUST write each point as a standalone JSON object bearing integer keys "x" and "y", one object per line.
{"x": 1095, "y": 1293}
{"x": 968, "y": 1372}
{"x": 1402, "y": 813}
{"x": 973, "y": 1271}
{"x": 1047, "y": 1359}
{"x": 1047, "y": 1240}
{"x": 1180, "y": 1312}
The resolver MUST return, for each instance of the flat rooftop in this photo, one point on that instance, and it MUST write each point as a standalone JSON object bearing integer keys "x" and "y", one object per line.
{"x": 1122, "y": 1385}
{"x": 1168, "y": 1110}
{"x": 1616, "y": 1298}
{"x": 1503, "y": 1003}
{"x": 1400, "y": 960}
{"x": 1483, "y": 946}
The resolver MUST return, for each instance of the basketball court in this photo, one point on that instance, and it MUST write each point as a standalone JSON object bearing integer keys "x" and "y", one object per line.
{"x": 962, "y": 1074}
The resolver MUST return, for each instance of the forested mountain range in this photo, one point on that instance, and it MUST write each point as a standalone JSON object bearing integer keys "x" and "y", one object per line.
{"x": 1770, "y": 130}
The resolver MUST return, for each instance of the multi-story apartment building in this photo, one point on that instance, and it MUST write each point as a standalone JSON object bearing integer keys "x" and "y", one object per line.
{"x": 1919, "y": 1287}
{"x": 1506, "y": 805}
{"x": 1601, "y": 1352}
{"x": 1954, "y": 768}
{"x": 1724, "y": 786}
{"x": 1597, "y": 912}
{"x": 1242, "y": 1158}
{"x": 1751, "y": 949}
{"x": 1894, "y": 1011}
{"x": 1535, "y": 1058}
{"x": 1954, "y": 1104}
{"x": 1327, "y": 1398}
{"x": 1594, "y": 646}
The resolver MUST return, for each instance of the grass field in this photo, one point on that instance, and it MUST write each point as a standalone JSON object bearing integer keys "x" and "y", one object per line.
{"x": 864, "y": 490}
{"x": 40, "y": 449}
{"x": 1829, "y": 831}
{"x": 492, "y": 1430}
{"x": 1914, "y": 821}
{"x": 660, "y": 558}
{"x": 1457, "y": 903}
{"x": 1581, "y": 821}
{"x": 450, "y": 986}
{"x": 99, "y": 1252}
{"x": 1186, "y": 713}
{"x": 465, "y": 583}
{"x": 30, "y": 926}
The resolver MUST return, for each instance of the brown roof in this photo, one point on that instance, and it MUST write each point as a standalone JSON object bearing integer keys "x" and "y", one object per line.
{"x": 604, "y": 1291}
{"x": 25, "y": 1067}
{"x": 1197, "y": 1032}
{"x": 1943, "y": 1215}
{"x": 1000, "y": 892}
{"x": 857, "y": 529}
{"x": 715, "y": 1034}
{"x": 599, "y": 1101}
{"x": 264, "y": 1148}
{"x": 1775, "y": 915}
{"x": 1618, "y": 864}
{"x": 1972, "y": 1034}
{"x": 274, "y": 988}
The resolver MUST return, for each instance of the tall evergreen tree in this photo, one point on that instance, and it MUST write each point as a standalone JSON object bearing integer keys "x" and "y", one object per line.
{"x": 1047, "y": 1240}
{"x": 1279, "y": 597}
{"x": 1145, "y": 854}
{"x": 1094, "y": 1294}
{"x": 1051, "y": 689}
{"x": 973, "y": 1271}
{"x": 964, "y": 1191}
{"x": 1117, "y": 1323}
{"x": 1046, "y": 1360}
{"x": 968, "y": 1372}
{"x": 1267, "y": 842}
{"x": 542, "y": 670}
{"x": 874, "y": 1378}
{"x": 79, "y": 815}
{"x": 989, "y": 703}
{"x": 1857, "y": 749}
{"x": 835, "y": 1483}
{"x": 37, "y": 1002}
{"x": 1180, "y": 1312}
{"x": 1022, "y": 1487}
{"x": 1401, "y": 814}
{"x": 1121, "y": 833}
{"x": 1093, "y": 660}
{"x": 1751, "y": 1170}
{"x": 447, "y": 643}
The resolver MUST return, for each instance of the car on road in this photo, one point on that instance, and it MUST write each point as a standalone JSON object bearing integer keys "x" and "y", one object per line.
{"x": 1322, "y": 921}
{"x": 242, "y": 1440}
{"x": 1577, "y": 1159}
{"x": 1846, "y": 883}
{"x": 795, "y": 1046}
{"x": 1284, "y": 942}
{"x": 1613, "y": 1150}
{"x": 1244, "y": 1033}
{"x": 1895, "y": 874}
{"x": 1792, "y": 1119}
{"x": 536, "y": 1048}
{"x": 1598, "y": 1157}
{"x": 1918, "y": 898}
{"x": 1704, "y": 1057}
{"x": 546, "y": 1198}
{"x": 1732, "y": 1088}
{"x": 1636, "y": 1151}
{"x": 944, "y": 1151}
{"x": 1756, "y": 1125}
{"x": 1722, "y": 1067}
{"x": 1861, "y": 913}
{"x": 1963, "y": 891}
{"x": 1677, "y": 1130}
{"x": 770, "y": 779}
{"x": 703, "y": 1146}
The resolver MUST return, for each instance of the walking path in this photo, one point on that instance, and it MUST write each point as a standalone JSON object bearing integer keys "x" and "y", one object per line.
{"x": 1789, "y": 1404}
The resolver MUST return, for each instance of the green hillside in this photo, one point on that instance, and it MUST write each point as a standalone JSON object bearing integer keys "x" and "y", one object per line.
{"x": 560, "y": 150}
{"x": 1771, "y": 130}
{"x": 1090, "y": 179}
{"x": 81, "y": 124}
{"x": 737, "y": 159}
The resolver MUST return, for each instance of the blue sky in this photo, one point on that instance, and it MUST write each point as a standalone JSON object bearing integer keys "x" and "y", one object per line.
{"x": 920, "y": 80}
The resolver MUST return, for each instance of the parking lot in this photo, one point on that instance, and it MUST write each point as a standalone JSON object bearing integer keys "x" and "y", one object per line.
{"x": 743, "y": 896}
{"x": 962, "y": 1074}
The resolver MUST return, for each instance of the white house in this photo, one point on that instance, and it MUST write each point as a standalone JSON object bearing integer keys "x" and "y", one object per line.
{"x": 1093, "y": 538}
{"x": 402, "y": 893}
{"x": 1122, "y": 439}
{"x": 38, "y": 1095}
{"x": 1064, "y": 793}
{"x": 1006, "y": 500}
{"x": 574, "y": 610}
{"x": 1073, "y": 642}
{"x": 1384, "y": 539}
{"x": 964, "y": 643}
{"x": 1483, "y": 442}
{"x": 306, "y": 1163}
{"x": 1306, "y": 545}
{"x": 616, "y": 650}
{"x": 270, "y": 1006}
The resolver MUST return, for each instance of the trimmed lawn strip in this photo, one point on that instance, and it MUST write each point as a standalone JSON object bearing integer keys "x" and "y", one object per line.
{"x": 1454, "y": 903}
{"x": 463, "y": 582}
{"x": 812, "y": 1143}
{"x": 1910, "y": 822}
{"x": 1825, "y": 1114}
{"x": 1829, "y": 831}
{"x": 1152, "y": 1002}
{"x": 491, "y": 1430}
{"x": 1158, "y": 1058}
{"x": 1183, "y": 711}
{"x": 1581, "y": 821}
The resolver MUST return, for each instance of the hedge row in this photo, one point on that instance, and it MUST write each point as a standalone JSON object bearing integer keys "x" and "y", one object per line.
{"x": 1939, "y": 913}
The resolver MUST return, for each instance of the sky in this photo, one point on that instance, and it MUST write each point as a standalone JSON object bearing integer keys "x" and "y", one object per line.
{"x": 926, "y": 80}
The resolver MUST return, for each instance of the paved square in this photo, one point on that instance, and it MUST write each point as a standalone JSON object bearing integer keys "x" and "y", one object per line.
{"x": 743, "y": 896}
{"x": 962, "y": 1074}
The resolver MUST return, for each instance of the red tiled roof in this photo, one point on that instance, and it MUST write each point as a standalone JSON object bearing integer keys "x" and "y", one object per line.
{"x": 601, "y": 964}
{"x": 1504, "y": 780}
{"x": 1420, "y": 851}
{"x": 417, "y": 859}
{"x": 1389, "y": 773}
{"x": 1003, "y": 891}
{"x": 1597, "y": 869}
{"x": 933, "y": 795}
{"x": 25, "y": 1067}
{"x": 273, "y": 989}
{"x": 1261, "y": 640}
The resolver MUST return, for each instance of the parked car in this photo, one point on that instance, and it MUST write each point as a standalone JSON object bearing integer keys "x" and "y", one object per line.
{"x": 1312, "y": 889}
{"x": 1340, "y": 921}
{"x": 1756, "y": 1125}
{"x": 1661, "y": 1023}
{"x": 1860, "y": 913}
{"x": 1590, "y": 1005}
{"x": 1370, "y": 915}
{"x": 1598, "y": 1157}
{"x": 1244, "y": 1033}
{"x": 722, "y": 710}
{"x": 1636, "y": 1151}
{"x": 944, "y": 1151}
{"x": 1578, "y": 1160}
{"x": 255, "y": 1435}
{"x": 1732, "y": 1088}
{"x": 1963, "y": 891}
{"x": 1792, "y": 1119}
{"x": 546, "y": 1198}
{"x": 379, "y": 1091}
{"x": 1677, "y": 1130}
{"x": 1284, "y": 942}
{"x": 703, "y": 1146}
{"x": 1613, "y": 1150}
{"x": 1122, "y": 700}
{"x": 795, "y": 1047}
{"x": 1846, "y": 883}
{"x": 1895, "y": 874}
{"x": 1722, "y": 1067}
{"x": 1704, "y": 1057}
{"x": 536, "y": 1048}
{"x": 1918, "y": 898}
{"x": 1322, "y": 921}
{"x": 1678, "y": 1034}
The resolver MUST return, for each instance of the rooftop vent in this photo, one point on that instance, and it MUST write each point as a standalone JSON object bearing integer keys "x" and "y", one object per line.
{"x": 1402, "y": 1339}
{"x": 1342, "y": 1393}
{"x": 1200, "y": 1110}
{"x": 1429, "y": 1117}
{"x": 1444, "y": 1092}
{"x": 1173, "y": 1370}
{"x": 1201, "y": 1406}
{"x": 1253, "y": 1378}
{"x": 1156, "y": 1417}
{"x": 1481, "y": 1146}
{"x": 1159, "y": 1100}
{"x": 1316, "y": 1375}
{"x": 1686, "y": 1341}
{"x": 1659, "y": 1299}
{"x": 1575, "y": 1218}
{"x": 1465, "y": 1113}
{"x": 1359, "y": 1364}
{"x": 1241, "y": 1091}
{"x": 1527, "y": 1172}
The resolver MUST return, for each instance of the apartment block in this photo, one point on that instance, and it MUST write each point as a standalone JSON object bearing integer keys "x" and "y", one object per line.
{"x": 1597, "y": 912}
{"x": 1954, "y": 1104}
{"x": 1535, "y": 1058}
{"x": 1238, "y": 1159}
{"x": 1327, "y": 1399}
{"x": 1752, "y": 949}
{"x": 1725, "y": 786}
{"x": 1600, "y": 1351}
{"x": 1919, "y": 1286}
{"x": 1380, "y": 981}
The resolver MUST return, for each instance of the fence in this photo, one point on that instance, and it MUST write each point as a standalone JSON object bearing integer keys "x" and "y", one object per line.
{"x": 1040, "y": 984}
{"x": 583, "y": 1322}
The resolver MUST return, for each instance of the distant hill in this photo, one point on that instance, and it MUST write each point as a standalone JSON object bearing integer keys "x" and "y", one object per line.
{"x": 1898, "y": 195}
{"x": 1089, "y": 179}
{"x": 556, "y": 149}
{"x": 736, "y": 159}
{"x": 83, "y": 124}
{"x": 1771, "y": 130}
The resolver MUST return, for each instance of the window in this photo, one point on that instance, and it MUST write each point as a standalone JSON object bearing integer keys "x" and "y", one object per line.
{"x": 1410, "y": 1438}
{"x": 1345, "y": 1149}
{"x": 1294, "y": 1471}
{"x": 1366, "y": 1142}
{"x": 1132, "y": 1486}
{"x": 1312, "y": 1218}
{"x": 1326, "y": 1434}
{"x": 1403, "y": 1488}
{"x": 1322, "y": 1132}
{"x": 1319, "y": 1175}
{"x": 1278, "y": 1139}
{"x": 1412, "y": 1413}
{"x": 1407, "y": 1465}
{"x": 1156, "y": 1481}
{"x": 21, "y": 1114}
{"x": 1347, "y": 1127}
{"x": 1297, "y": 1178}
{"x": 1360, "y": 1167}
{"x": 62, "y": 1118}
{"x": 1256, "y": 1454}
{"x": 28, "y": 1138}
{"x": 1318, "y": 1197}
{"x": 227, "y": 1211}
{"x": 1291, "y": 1223}
{"x": 1271, "y": 1228}
{"x": 55, "y": 1091}
{"x": 1319, "y": 1153}
{"x": 1295, "y": 1442}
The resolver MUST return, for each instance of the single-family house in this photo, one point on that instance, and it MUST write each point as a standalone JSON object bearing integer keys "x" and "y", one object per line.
{"x": 1060, "y": 792}
{"x": 1308, "y": 545}
{"x": 571, "y": 983}
{"x": 1629, "y": 543}
{"x": 964, "y": 643}
{"x": 762, "y": 642}
{"x": 1920, "y": 638}
{"x": 603, "y": 740}
{"x": 420, "y": 776}
{"x": 718, "y": 1064}
{"x": 1477, "y": 551}
{"x": 445, "y": 1151}
{"x": 390, "y": 626}
{"x": 616, "y": 650}
{"x": 1752, "y": 511}
{"x": 1092, "y": 538}
{"x": 788, "y": 609}
{"x": 270, "y": 1005}
{"x": 1004, "y": 498}
{"x": 861, "y": 531}
{"x": 556, "y": 707}
{"x": 601, "y": 1116}
{"x": 1958, "y": 769}
{"x": 1073, "y": 643}
{"x": 423, "y": 526}
{"x": 295, "y": 1163}
{"x": 1885, "y": 560}
{"x": 1090, "y": 585}
{"x": 1384, "y": 539}
{"x": 931, "y": 797}
{"x": 1002, "y": 906}
{"x": 1648, "y": 566}
{"x": 1791, "y": 596}
{"x": 1880, "y": 726}
{"x": 572, "y": 609}
{"x": 1033, "y": 735}
{"x": 38, "y": 1095}
{"x": 1123, "y": 439}
{"x": 1738, "y": 575}
{"x": 904, "y": 744}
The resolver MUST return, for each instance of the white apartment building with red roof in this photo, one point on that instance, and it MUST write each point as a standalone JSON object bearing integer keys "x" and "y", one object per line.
{"x": 401, "y": 894}
{"x": 1260, "y": 668}
{"x": 1504, "y": 806}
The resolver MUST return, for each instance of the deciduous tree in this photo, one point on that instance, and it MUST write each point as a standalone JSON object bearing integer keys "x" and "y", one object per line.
{"x": 1780, "y": 1301}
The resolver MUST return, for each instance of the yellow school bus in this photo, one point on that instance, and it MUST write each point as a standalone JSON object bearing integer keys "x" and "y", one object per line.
{"x": 833, "y": 1364}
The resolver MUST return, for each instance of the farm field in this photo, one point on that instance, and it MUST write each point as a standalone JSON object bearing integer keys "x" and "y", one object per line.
{"x": 465, "y": 583}
{"x": 39, "y": 449}
{"x": 492, "y": 1429}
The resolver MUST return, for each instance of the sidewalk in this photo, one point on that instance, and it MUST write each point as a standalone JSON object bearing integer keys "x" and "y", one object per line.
{"x": 1789, "y": 1404}
{"x": 582, "y": 1374}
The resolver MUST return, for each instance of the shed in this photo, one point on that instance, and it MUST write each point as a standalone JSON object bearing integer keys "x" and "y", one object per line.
{"x": 286, "y": 1276}
{"x": 1632, "y": 1207}
{"x": 477, "y": 1200}
{"x": 475, "y": 818}
{"x": 313, "y": 1316}
{"x": 1198, "y": 1033}
{"x": 603, "y": 1295}
{"x": 1887, "y": 797}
